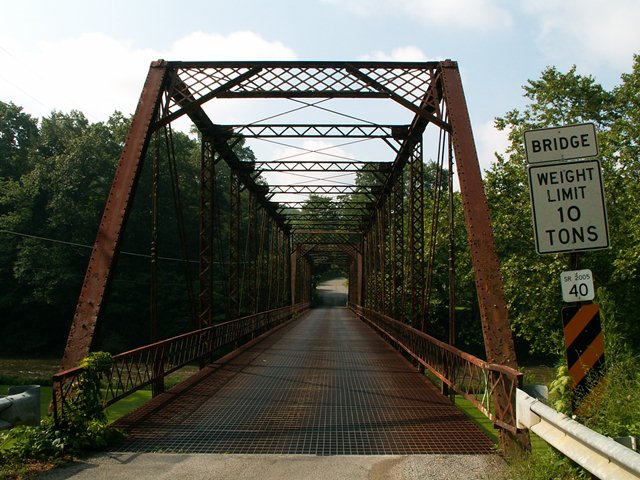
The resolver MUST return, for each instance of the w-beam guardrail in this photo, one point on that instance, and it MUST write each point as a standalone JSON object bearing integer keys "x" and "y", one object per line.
{"x": 600, "y": 455}
{"x": 148, "y": 365}
{"x": 20, "y": 407}
{"x": 489, "y": 387}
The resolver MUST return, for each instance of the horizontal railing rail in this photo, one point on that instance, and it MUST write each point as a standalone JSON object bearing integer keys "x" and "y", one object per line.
{"x": 480, "y": 382}
{"x": 136, "y": 369}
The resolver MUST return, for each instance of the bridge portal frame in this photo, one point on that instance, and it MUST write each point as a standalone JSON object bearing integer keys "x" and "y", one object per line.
{"x": 432, "y": 91}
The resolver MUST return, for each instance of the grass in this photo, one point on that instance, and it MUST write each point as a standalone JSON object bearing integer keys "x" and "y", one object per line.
{"x": 127, "y": 404}
{"x": 479, "y": 418}
{"x": 30, "y": 371}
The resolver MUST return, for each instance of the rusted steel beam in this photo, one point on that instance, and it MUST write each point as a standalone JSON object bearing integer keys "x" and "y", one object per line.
{"x": 416, "y": 239}
{"x": 118, "y": 205}
{"x": 303, "y": 65}
{"x": 318, "y": 131}
{"x": 498, "y": 338}
{"x": 493, "y": 310}
{"x": 337, "y": 207}
{"x": 326, "y": 189}
{"x": 317, "y": 166}
{"x": 235, "y": 213}
{"x": 325, "y": 216}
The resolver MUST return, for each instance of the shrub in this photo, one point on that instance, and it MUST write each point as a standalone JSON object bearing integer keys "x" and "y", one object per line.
{"x": 82, "y": 427}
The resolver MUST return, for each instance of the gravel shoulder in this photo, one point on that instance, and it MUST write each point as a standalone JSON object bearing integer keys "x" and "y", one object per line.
{"x": 159, "y": 466}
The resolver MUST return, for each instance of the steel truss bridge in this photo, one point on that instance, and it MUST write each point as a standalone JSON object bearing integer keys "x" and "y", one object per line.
{"x": 314, "y": 206}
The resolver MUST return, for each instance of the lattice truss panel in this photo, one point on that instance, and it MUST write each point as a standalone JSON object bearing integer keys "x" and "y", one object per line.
{"x": 264, "y": 79}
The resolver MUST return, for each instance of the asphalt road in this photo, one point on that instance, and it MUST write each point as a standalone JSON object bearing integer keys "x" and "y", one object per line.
{"x": 332, "y": 293}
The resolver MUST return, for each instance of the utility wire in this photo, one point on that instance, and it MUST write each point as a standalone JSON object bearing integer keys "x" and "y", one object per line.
{"x": 80, "y": 245}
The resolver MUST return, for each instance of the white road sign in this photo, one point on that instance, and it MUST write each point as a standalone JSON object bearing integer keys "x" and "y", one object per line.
{"x": 577, "y": 285}
{"x": 561, "y": 143}
{"x": 567, "y": 202}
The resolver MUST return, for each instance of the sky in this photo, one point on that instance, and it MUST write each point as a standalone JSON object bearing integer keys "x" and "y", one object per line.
{"x": 93, "y": 55}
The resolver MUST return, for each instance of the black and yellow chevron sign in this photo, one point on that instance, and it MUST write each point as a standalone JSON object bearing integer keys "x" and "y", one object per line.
{"x": 584, "y": 342}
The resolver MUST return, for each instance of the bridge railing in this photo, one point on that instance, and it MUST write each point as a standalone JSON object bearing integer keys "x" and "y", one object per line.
{"x": 133, "y": 370}
{"x": 489, "y": 387}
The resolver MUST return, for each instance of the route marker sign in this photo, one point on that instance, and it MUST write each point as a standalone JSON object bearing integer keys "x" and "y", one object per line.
{"x": 561, "y": 143}
{"x": 567, "y": 202}
{"x": 577, "y": 285}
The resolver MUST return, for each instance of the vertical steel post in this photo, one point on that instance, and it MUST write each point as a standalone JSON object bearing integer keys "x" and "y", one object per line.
{"x": 278, "y": 267}
{"x": 153, "y": 290}
{"x": 157, "y": 386}
{"x": 260, "y": 263}
{"x": 388, "y": 257}
{"x": 452, "y": 250}
{"x": 249, "y": 273}
{"x": 294, "y": 276}
{"x": 207, "y": 226}
{"x": 360, "y": 279}
{"x": 235, "y": 211}
{"x": 398, "y": 248}
{"x": 416, "y": 237}
{"x": 286, "y": 270}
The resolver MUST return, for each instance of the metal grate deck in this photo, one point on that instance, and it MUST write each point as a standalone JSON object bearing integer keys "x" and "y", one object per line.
{"x": 324, "y": 385}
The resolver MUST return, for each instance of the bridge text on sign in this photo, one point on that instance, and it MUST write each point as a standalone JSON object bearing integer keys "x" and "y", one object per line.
{"x": 568, "y": 207}
{"x": 561, "y": 143}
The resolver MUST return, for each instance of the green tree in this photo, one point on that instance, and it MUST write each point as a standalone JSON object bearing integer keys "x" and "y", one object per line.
{"x": 531, "y": 281}
{"x": 18, "y": 138}
{"x": 620, "y": 146}
{"x": 18, "y": 135}
{"x": 54, "y": 202}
